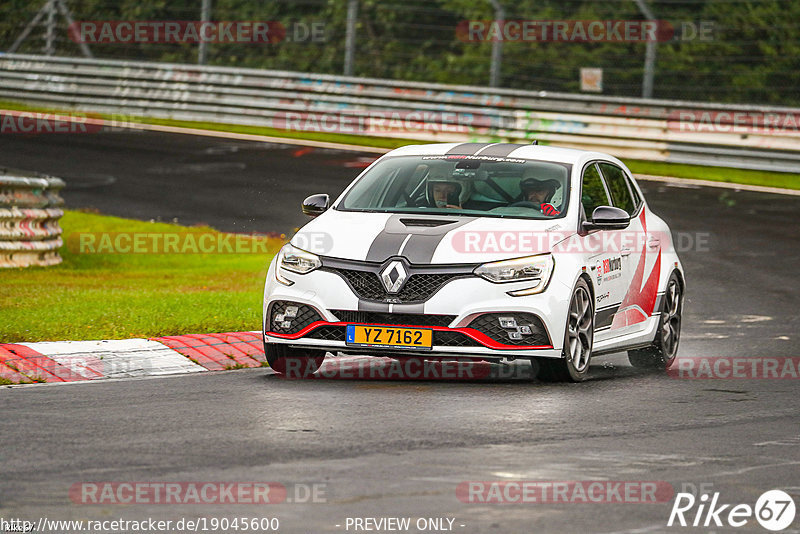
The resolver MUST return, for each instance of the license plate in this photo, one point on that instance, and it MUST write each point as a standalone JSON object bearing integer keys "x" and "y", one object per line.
{"x": 389, "y": 336}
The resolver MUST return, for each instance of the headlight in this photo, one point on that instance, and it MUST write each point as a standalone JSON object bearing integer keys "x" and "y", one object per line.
{"x": 537, "y": 269}
{"x": 295, "y": 260}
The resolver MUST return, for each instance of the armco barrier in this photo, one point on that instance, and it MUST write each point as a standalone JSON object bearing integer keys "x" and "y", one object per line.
{"x": 29, "y": 213}
{"x": 659, "y": 130}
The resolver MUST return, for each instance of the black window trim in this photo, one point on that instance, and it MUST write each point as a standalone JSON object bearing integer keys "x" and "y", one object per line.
{"x": 633, "y": 185}
{"x": 628, "y": 183}
{"x": 584, "y": 217}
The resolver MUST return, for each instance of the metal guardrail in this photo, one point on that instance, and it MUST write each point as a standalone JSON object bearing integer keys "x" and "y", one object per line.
{"x": 632, "y": 128}
{"x": 29, "y": 214}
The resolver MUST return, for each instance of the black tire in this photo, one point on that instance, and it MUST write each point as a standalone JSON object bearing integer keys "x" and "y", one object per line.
{"x": 293, "y": 362}
{"x": 573, "y": 366}
{"x": 661, "y": 354}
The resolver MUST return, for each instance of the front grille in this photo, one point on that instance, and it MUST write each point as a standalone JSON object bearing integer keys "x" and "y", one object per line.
{"x": 489, "y": 324}
{"x": 418, "y": 288}
{"x": 366, "y": 284}
{"x": 292, "y": 322}
{"x": 327, "y": 333}
{"x": 453, "y": 339}
{"x": 411, "y": 319}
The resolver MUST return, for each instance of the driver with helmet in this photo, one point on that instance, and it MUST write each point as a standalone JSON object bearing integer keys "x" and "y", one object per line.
{"x": 445, "y": 191}
{"x": 539, "y": 192}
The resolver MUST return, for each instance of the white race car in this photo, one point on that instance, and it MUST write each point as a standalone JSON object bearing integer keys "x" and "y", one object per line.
{"x": 488, "y": 251}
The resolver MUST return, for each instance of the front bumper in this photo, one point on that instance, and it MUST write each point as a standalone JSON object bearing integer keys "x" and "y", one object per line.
{"x": 463, "y": 314}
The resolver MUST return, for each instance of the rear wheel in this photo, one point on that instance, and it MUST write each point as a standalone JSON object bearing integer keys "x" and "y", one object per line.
{"x": 573, "y": 366}
{"x": 293, "y": 362}
{"x": 661, "y": 354}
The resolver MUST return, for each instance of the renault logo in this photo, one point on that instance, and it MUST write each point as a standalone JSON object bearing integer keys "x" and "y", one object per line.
{"x": 393, "y": 277}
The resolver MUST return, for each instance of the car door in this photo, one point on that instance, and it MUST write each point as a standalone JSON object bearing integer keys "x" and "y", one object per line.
{"x": 637, "y": 252}
{"x": 605, "y": 263}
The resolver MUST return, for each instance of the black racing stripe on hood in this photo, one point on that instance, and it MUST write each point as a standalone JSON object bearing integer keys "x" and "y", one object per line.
{"x": 420, "y": 248}
{"x": 466, "y": 149}
{"x": 421, "y": 245}
{"x": 501, "y": 150}
{"x": 385, "y": 245}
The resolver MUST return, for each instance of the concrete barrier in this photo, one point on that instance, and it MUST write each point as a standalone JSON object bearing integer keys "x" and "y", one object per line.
{"x": 727, "y": 135}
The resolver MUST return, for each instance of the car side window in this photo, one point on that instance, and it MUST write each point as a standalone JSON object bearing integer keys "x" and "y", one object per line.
{"x": 637, "y": 199}
{"x": 593, "y": 194}
{"x": 617, "y": 184}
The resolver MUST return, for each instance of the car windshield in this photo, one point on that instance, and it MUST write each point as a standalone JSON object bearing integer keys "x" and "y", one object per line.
{"x": 459, "y": 185}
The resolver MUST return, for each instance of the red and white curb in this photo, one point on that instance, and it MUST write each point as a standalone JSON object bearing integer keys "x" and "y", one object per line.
{"x": 77, "y": 361}
{"x": 73, "y": 361}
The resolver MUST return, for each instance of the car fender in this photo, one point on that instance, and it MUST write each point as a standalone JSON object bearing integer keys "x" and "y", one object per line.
{"x": 670, "y": 261}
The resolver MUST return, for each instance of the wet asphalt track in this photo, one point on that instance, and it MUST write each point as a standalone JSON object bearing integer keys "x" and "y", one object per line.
{"x": 400, "y": 449}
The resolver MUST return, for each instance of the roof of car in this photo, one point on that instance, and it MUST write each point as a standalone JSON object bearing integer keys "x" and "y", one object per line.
{"x": 509, "y": 150}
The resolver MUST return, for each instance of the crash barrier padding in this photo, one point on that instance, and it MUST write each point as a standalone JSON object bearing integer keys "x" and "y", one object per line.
{"x": 30, "y": 207}
{"x": 658, "y": 130}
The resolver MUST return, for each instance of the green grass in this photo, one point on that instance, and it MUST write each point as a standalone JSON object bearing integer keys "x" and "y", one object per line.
{"x": 347, "y": 139}
{"x": 717, "y": 174}
{"x": 678, "y": 170}
{"x": 118, "y": 296}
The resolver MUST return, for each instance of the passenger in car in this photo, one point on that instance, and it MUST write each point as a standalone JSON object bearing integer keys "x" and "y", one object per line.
{"x": 539, "y": 192}
{"x": 445, "y": 191}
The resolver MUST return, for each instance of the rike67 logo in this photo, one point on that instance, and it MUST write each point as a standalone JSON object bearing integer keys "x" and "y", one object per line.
{"x": 774, "y": 510}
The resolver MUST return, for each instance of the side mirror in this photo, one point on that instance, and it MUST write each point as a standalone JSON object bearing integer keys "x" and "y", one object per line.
{"x": 315, "y": 204}
{"x": 608, "y": 218}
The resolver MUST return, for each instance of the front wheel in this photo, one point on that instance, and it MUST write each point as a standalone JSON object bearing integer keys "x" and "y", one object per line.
{"x": 661, "y": 354}
{"x": 293, "y": 362}
{"x": 573, "y": 366}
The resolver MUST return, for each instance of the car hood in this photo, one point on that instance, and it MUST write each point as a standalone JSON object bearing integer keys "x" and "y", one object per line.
{"x": 427, "y": 239}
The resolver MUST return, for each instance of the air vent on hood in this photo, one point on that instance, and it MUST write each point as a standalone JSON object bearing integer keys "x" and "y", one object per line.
{"x": 425, "y": 222}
